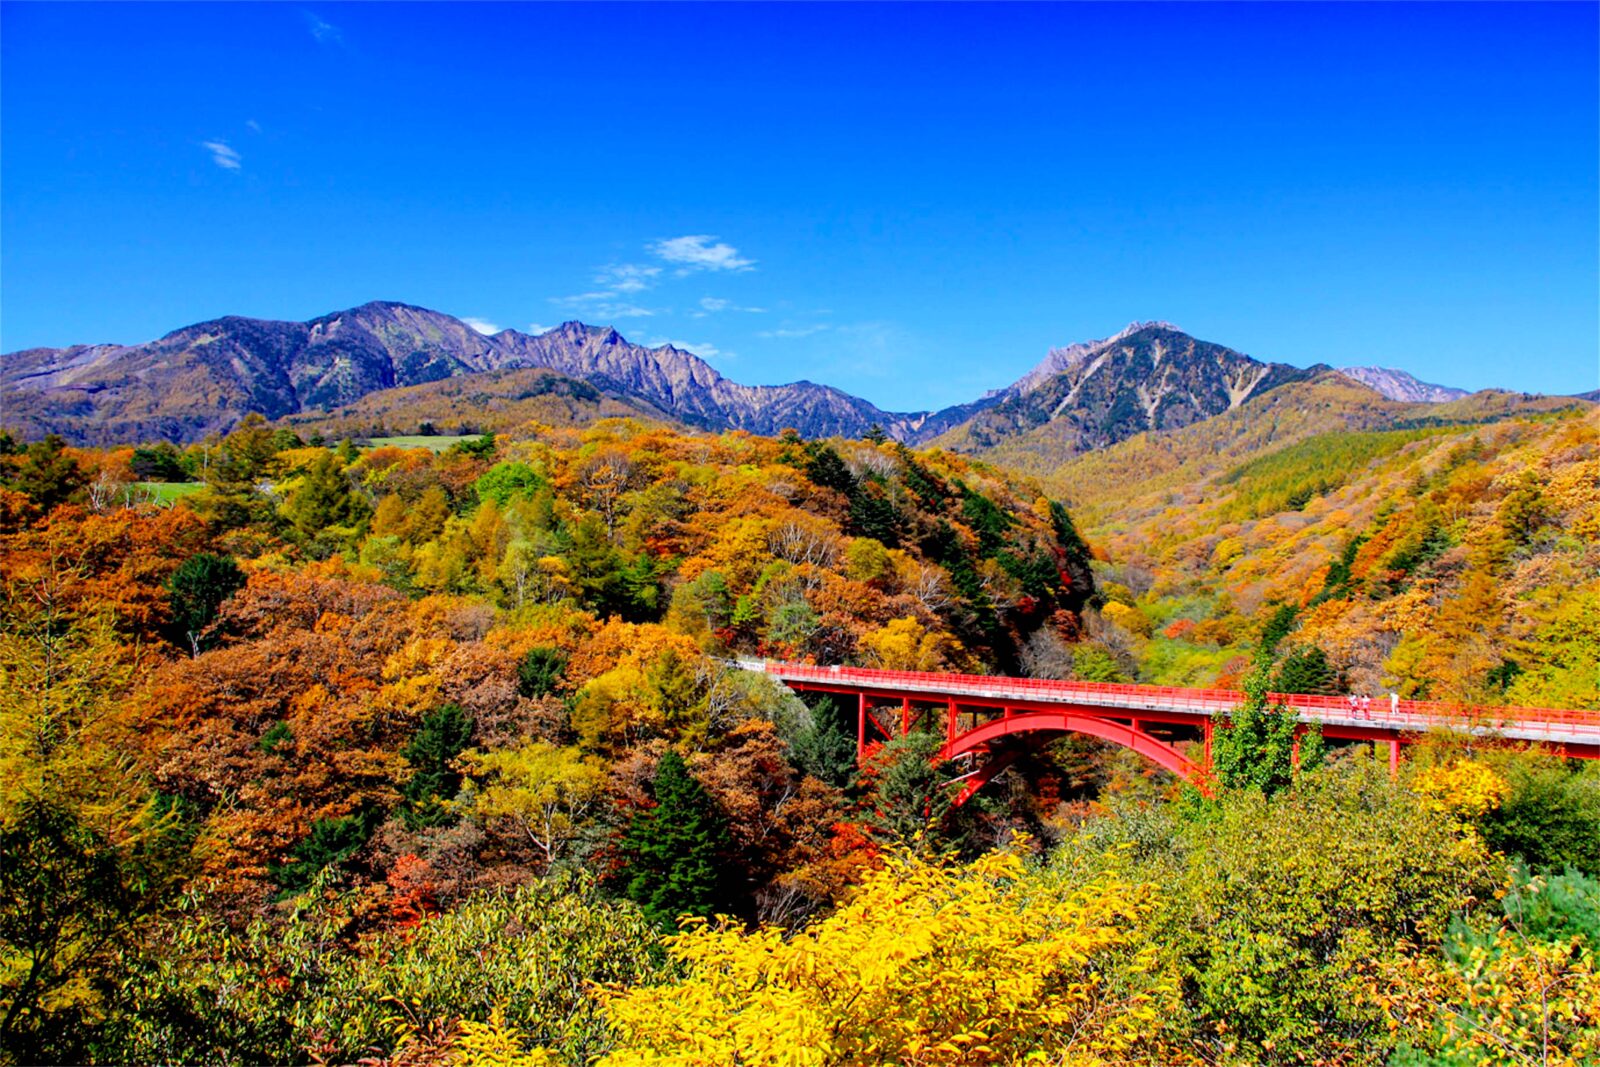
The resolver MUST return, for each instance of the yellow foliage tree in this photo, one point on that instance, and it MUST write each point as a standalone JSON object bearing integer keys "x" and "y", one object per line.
{"x": 544, "y": 790}
{"x": 1464, "y": 788}
{"x": 1130, "y": 619}
{"x": 906, "y": 645}
{"x": 926, "y": 964}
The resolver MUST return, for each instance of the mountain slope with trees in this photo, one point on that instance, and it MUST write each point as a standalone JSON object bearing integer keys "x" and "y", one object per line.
{"x": 1452, "y": 562}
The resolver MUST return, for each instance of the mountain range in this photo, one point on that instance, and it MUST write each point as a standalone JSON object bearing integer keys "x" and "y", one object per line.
{"x": 383, "y": 360}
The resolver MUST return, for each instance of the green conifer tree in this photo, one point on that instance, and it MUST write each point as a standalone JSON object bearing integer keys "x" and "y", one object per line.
{"x": 196, "y": 592}
{"x": 48, "y": 475}
{"x": 539, "y": 672}
{"x": 824, "y": 749}
{"x": 1306, "y": 670}
{"x": 673, "y": 851}
{"x": 440, "y": 739}
{"x": 826, "y": 469}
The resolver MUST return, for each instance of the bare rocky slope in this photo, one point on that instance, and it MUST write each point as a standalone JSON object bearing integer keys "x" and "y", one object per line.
{"x": 1398, "y": 385}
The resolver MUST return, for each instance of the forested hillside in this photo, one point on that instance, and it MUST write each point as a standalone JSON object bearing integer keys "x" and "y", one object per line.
{"x": 488, "y": 402}
{"x": 409, "y": 755}
{"x": 1449, "y": 562}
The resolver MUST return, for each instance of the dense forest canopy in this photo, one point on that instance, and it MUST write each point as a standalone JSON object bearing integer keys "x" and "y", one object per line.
{"x": 327, "y": 750}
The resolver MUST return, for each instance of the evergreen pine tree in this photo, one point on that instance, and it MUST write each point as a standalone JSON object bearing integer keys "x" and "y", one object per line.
{"x": 330, "y": 842}
{"x": 195, "y": 593}
{"x": 873, "y": 514}
{"x": 48, "y": 475}
{"x": 673, "y": 851}
{"x": 825, "y": 749}
{"x": 1277, "y": 628}
{"x": 829, "y": 471}
{"x": 540, "y": 671}
{"x": 440, "y": 739}
{"x": 1306, "y": 670}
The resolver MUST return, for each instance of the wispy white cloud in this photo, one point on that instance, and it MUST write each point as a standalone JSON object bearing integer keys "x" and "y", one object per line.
{"x": 534, "y": 327}
{"x": 602, "y": 305}
{"x": 710, "y": 305}
{"x": 324, "y": 31}
{"x": 483, "y": 326}
{"x": 223, "y": 155}
{"x": 253, "y": 125}
{"x": 794, "y": 331}
{"x": 697, "y": 252}
{"x": 627, "y": 277}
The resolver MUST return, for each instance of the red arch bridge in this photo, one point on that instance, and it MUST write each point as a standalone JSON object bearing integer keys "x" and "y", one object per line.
{"x": 991, "y": 721}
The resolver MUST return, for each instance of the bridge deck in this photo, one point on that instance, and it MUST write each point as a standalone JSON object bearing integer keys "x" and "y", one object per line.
{"x": 1579, "y": 730}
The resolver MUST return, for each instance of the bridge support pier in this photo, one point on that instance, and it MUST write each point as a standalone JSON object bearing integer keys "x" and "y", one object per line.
{"x": 1394, "y": 757}
{"x": 861, "y": 729}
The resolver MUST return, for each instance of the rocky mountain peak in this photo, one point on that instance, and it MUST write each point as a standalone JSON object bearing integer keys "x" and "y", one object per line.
{"x": 1398, "y": 385}
{"x": 1150, "y": 376}
{"x": 1060, "y": 359}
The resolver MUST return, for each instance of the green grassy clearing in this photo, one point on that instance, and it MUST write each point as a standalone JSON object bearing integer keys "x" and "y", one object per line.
{"x": 437, "y": 443}
{"x": 166, "y": 493}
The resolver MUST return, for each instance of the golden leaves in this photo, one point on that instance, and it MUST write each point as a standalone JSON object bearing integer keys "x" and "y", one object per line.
{"x": 926, "y": 963}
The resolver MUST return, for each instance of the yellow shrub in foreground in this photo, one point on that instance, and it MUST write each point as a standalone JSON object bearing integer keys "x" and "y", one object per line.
{"x": 926, "y": 964}
{"x": 1464, "y": 788}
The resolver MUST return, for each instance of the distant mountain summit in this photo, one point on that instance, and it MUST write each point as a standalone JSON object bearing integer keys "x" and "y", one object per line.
{"x": 204, "y": 378}
{"x": 1151, "y": 376}
{"x": 1060, "y": 360}
{"x": 1398, "y": 385}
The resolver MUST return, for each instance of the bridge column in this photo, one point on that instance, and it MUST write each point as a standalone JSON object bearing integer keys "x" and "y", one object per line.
{"x": 1394, "y": 757}
{"x": 950, "y": 721}
{"x": 905, "y": 716}
{"x": 1294, "y": 748}
{"x": 861, "y": 728}
{"x": 1205, "y": 731}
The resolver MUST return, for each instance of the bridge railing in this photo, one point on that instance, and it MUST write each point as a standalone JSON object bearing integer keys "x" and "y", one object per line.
{"x": 1406, "y": 715}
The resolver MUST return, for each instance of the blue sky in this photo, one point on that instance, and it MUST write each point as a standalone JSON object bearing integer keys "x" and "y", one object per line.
{"x": 912, "y": 203}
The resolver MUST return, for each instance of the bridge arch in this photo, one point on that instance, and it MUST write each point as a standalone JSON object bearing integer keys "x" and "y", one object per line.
{"x": 977, "y": 741}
